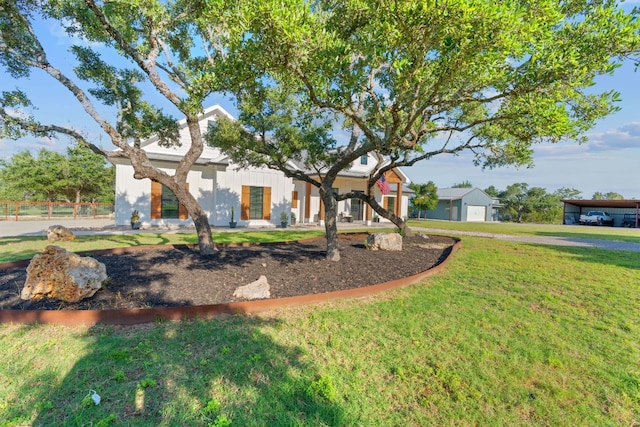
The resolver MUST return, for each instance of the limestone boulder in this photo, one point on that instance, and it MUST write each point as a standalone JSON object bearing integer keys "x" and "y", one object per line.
{"x": 59, "y": 233}
{"x": 384, "y": 242}
{"x": 259, "y": 289}
{"x": 60, "y": 274}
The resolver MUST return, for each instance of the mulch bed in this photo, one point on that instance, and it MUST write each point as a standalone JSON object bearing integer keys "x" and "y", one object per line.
{"x": 179, "y": 277}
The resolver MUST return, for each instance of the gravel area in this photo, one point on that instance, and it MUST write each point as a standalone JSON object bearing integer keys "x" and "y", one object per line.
{"x": 544, "y": 240}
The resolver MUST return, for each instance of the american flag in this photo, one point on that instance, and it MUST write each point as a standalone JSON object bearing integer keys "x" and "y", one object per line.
{"x": 383, "y": 186}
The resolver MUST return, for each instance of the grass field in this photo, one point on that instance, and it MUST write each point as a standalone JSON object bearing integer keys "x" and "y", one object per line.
{"x": 511, "y": 334}
{"x": 19, "y": 248}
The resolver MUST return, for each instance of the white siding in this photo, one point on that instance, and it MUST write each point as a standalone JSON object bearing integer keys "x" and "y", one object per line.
{"x": 229, "y": 192}
{"x": 219, "y": 188}
{"x": 135, "y": 194}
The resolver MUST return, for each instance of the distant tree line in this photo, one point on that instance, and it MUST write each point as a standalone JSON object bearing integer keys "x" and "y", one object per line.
{"x": 519, "y": 202}
{"x": 79, "y": 175}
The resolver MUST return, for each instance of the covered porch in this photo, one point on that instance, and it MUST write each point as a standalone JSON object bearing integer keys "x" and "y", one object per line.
{"x": 309, "y": 208}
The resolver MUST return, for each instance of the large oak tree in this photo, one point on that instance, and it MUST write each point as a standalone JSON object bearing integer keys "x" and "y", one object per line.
{"x": 80, "y": 176}
{"x": 414, "y": 79}
{"x": 125, "y": 49}
{"x": 408, "y": 80}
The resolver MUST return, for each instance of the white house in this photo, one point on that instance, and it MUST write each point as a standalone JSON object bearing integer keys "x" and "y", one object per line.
{"x": 257, "y": 195}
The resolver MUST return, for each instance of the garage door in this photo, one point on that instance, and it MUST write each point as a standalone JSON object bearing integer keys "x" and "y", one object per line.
{"x": 476, "y": 213}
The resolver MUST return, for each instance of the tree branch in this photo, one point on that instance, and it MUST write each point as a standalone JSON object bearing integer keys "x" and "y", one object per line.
{"x": 148, "y": 65}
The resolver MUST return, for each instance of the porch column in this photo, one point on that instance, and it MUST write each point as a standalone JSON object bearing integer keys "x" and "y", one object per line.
{"x": 321, "y": 215}
{"x": 399, "y": 200}
{"x": 367, "y": 214}
{"x": 307, "y": 203}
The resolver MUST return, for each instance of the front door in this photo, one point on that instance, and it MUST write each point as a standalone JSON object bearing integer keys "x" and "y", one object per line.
{"x": 356, "y": 208}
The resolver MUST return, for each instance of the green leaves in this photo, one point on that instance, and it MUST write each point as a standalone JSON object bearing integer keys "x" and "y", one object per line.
{"x": 273, "y": 129}
{"x": 524, "y": 204}
{"x": 425, "y": 197}
{"x": 509, "y": 74}
{"x": 81, "y": 175}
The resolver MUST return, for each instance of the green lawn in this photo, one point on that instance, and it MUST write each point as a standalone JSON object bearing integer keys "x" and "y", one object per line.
{"x": 511, "y": 334}
{"x": 19, "y": 248}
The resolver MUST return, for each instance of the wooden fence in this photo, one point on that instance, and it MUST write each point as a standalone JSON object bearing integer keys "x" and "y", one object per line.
{"x": 21, "y": 211}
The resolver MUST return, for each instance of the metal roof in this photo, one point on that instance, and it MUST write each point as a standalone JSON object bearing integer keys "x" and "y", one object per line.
{"x": 202, "y": 160}
{"x": 454, "y": 193}
{"x": 604, "y": 203}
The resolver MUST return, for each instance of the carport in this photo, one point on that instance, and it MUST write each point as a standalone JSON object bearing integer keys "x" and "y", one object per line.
{"x": 572, "y": 209}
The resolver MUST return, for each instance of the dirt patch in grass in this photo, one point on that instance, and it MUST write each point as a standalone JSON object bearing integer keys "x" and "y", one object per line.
{"x": 179, "y": 277}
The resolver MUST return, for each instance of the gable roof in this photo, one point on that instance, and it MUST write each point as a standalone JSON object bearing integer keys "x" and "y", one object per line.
{"x": 356, "y": 170}
{"x": 452, "y": 193}
{"x": 212, "y": 155}
{"x": 209, "y": 113}
{"x": 456, "y": 193}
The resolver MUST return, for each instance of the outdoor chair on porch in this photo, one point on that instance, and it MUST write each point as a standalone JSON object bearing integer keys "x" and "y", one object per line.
{"x": 344, "y": 217}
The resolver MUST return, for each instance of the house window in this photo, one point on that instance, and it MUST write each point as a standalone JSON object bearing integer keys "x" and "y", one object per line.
{"x": 169, "y": 204}
{"x": 164, "y": 203}
{"x": 256, "y": 203}
{"x": 390, "y": 203}
{"x": 364, "y": 159}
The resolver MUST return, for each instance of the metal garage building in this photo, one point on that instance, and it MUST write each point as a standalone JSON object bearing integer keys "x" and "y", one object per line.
{"x": 463, "y": 204}
{"x": 616, "y": 208}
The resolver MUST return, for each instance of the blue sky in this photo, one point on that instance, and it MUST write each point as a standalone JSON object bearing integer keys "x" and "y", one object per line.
{"x": 610, "y": 161}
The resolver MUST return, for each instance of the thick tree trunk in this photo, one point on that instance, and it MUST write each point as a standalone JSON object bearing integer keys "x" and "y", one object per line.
{"x": 403, "y": 228}
{"x": 203, "y": 230}
{"x": 330, "y": 225}
{"x": 200, "y": 220}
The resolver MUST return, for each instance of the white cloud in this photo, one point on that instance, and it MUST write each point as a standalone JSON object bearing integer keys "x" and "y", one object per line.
{"x": 16, "y": 113}
{"x": 59, "y": 32}
{"x": 627, "y": 136}
{"x": 10, "y": 147}
{"x": 600, "y": 145}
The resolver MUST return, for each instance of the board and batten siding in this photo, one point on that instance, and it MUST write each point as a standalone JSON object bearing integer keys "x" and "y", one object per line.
{"x": 233, "y": 181}
{"x": 216, "y": 190}
{"x": 137, "y": 194}
{"x": 156, "y": 203}
{"x": 245, "y": 202}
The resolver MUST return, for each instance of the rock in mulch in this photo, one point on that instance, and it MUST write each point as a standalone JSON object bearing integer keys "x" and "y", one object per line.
{"x": 254, "y": 290}
{"x": 63, "y": 275}
{"x": 384, "y": 242}
{"x": 59, "y": 233}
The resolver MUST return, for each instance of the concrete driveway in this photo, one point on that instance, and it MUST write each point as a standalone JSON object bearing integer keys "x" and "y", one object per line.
{"x": 39, "y": 228}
